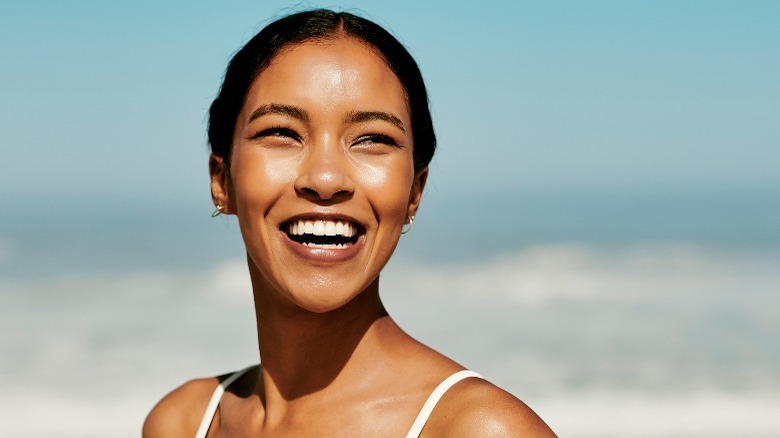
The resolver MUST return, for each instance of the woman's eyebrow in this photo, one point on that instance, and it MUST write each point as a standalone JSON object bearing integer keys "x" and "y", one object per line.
{"x": 365, "y": 116}
{"x": 276, "y": 108}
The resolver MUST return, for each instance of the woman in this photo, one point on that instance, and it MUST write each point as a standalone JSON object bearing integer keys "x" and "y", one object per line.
{"x": 321, "y": 137}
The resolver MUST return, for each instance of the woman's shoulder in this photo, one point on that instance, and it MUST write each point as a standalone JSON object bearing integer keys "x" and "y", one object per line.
{"x": 179, "y": 413}
{"x": 476, "y": 407}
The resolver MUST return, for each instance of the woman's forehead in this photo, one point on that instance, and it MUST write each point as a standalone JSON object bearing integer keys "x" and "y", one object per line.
{"x": 329, "y": 73}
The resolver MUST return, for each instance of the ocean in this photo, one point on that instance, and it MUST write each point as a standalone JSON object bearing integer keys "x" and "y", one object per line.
{"x": 611, "y": 314}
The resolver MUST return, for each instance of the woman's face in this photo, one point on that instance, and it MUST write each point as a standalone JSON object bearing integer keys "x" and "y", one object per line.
{"x": 321, "y": 172}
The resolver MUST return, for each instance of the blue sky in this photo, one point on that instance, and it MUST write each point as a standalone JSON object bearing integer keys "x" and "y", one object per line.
{"x": 107, "y": 100}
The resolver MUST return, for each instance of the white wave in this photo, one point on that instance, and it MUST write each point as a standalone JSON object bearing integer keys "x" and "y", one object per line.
{"x": 230, "y": 281}
{"x": 576, "y": 272}
{"x": 606, "y": 414}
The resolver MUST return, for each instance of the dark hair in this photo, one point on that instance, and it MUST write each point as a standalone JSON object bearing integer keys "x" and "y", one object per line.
{"x": 320, "y": 24}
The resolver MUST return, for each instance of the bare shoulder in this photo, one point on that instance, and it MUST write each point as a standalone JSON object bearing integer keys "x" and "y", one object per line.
{"x": 475, "y": 407}
{"x": 179, "y": 413}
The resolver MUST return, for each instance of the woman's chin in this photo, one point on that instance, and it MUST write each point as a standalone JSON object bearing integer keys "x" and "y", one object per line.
{"x": 323, "y": 295}
{"x": 322, "y": 304}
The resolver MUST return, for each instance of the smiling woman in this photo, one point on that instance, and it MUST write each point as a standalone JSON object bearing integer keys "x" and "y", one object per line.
{"x": 321, "y": 137}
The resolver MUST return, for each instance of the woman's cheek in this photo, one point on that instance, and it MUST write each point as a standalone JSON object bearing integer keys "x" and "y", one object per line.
{"x": 390, "y": 181}
{"x": 262, "y": 175}
{"x": 279, "y": 167}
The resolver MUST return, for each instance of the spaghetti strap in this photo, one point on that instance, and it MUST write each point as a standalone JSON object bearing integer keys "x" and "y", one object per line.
{"x": 208, "y": 416}
{"x": 434, "y": 398}
{"x": 414, "y": 432}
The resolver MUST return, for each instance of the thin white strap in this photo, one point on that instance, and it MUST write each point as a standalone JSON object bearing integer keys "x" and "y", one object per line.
{"x": 205, "y": 423}
{"x": 434, "y": 398}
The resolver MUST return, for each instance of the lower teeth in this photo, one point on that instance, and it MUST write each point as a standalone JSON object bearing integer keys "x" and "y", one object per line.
{"x": 325, "y": 246}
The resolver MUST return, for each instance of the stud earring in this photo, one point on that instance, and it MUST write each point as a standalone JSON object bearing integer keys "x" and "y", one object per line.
{"x": 217, "y": 211}
{"x": 405, "y": 229}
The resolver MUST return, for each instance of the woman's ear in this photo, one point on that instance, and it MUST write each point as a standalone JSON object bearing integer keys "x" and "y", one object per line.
{"x": 416, "y": 193}
{"x": 221, "y": 187}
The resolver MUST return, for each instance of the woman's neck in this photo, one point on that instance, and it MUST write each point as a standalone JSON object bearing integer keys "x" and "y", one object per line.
{"x": 304, "y": 352}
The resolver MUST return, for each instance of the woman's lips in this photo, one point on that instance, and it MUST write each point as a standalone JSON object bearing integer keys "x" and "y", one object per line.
{"x": 323, "y": 240}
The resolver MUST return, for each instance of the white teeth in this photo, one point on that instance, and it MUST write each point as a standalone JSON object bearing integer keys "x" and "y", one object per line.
{"x": 328, "y": 246}
{"x": 322, "y": 228}
{"x": 330, "y": 229}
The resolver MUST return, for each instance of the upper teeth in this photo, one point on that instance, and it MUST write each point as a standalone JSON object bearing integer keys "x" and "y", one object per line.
{"x": 322, "y": 228}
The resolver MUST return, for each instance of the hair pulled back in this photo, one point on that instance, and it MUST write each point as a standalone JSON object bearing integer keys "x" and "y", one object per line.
{"x": 320, "y": 24}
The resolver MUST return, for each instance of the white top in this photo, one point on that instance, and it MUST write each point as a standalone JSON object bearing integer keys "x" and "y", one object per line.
{"x": 414, "y": 432}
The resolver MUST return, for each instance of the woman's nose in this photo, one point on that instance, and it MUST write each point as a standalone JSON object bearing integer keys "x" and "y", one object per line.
{"x": 325, "y": 175}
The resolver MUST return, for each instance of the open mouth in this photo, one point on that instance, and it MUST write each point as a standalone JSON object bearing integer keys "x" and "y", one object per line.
{"x": 326, "y": 234}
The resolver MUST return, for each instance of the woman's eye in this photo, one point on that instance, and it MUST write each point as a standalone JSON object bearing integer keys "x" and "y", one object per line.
{"x": 276, "y": 133}
{"x": 376, "y": 139}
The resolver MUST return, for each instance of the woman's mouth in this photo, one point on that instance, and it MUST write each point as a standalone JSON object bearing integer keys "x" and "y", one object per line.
{"x": 324, "y": 234}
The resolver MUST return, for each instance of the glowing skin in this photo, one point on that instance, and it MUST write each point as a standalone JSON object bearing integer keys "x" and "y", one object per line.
{"x": 324, "y": 135}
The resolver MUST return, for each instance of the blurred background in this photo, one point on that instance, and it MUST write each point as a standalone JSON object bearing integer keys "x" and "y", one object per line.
{"x": 600, "y": 233}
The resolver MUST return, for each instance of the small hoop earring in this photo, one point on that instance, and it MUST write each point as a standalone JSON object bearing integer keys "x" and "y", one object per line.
{"x": 410, "y": 225}
{"x": 217, "y": 211}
